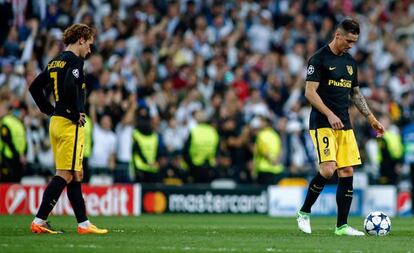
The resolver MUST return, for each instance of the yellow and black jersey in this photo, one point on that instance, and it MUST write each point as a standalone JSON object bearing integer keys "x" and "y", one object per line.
{"x": 64, "y": 77}
{"x": 337, "y": 75}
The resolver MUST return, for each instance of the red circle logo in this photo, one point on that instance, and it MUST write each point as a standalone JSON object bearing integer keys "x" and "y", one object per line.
{"x": 154, "y": 202}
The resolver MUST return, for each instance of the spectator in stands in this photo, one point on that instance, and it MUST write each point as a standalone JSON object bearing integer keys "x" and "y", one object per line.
{"x": 39, "y": 151}
{"x": 232, "y": 159}
{"x": 102, "y": 159}
{"x": 6, "y": 18}
{"x": 11, "y": 78}
{"x": 165, "y": 48}
{"x": 124, "y": 131}
{"x": 261, "y": 33}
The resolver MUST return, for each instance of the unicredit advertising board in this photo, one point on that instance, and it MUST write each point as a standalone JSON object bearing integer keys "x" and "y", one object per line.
{"x": 193, "y": 199}
{"x": 120, "y": 200}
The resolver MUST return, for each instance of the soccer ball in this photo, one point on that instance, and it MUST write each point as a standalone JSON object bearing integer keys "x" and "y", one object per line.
{"x": 377, "y": 223}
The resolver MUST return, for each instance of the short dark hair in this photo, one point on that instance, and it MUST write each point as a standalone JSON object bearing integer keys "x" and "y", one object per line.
{"x": 349, "y": 25}
{"x": 73, "y": 33}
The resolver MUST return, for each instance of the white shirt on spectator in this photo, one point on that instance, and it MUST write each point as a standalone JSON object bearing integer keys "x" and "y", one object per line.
{"x": 260, "y": 37}
{"x": 216, "y": 33}
{"x": 252, "y": 109}
{"x": 124, "y": 142}
{"x": 110, "y": 34}
{"x": 104, "y": 142}
{"x": 206, "y": 90}
{"x": 296, "y": 63}
{"x": 174, "y": 138}
{"x": 16, "y": 83}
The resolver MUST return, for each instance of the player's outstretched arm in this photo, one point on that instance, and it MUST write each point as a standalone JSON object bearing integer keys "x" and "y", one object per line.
{"x": 37, "y": 91}
{"x": 361, "y": 104}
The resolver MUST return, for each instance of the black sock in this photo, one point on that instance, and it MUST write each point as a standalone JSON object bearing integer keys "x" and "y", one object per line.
{"x": 314, "y": 189}
{"x": 344, "y": 199}
{"x": 74, "y": 192}
{"x": 51, "y": 196}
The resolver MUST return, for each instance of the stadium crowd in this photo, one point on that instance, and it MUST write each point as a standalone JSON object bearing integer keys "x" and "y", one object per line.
{"x": 162, "y": 68}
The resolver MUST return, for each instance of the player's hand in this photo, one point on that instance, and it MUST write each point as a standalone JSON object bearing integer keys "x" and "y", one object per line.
{"x": 82, "y": 119}
{"x": 378, "y": 127}
{"x": 335, "y": 122}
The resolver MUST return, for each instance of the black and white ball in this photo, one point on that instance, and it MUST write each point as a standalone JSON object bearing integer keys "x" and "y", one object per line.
{"x": 377, "y": 223}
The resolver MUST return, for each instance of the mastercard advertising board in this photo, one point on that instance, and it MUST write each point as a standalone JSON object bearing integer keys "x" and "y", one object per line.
{"x": 193, "y": 199}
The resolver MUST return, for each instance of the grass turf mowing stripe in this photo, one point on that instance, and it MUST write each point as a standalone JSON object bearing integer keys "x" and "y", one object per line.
{"x": 200, "y": 233}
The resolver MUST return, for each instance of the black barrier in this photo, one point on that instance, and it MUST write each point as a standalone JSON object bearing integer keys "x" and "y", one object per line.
{"x": 204, "y": 199}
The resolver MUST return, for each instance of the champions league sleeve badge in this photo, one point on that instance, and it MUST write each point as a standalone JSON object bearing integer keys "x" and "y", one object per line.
{"x": 75, "y": 72}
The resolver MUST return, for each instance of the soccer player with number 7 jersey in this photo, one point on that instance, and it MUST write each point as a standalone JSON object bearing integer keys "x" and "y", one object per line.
{"x": 64, "y": 77}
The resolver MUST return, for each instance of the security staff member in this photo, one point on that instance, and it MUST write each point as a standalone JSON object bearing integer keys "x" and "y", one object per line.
{"x": 13, "y": 148}
{"x": 390, "y": 154}
{"x": 267, "y": 152}
{"x": 147, "y": 150}
{"x": 200, "y": 150}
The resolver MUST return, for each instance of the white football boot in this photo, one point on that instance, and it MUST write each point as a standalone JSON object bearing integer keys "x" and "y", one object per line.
{"x": 348, "y": 230}
{"x": 304, "y": 222}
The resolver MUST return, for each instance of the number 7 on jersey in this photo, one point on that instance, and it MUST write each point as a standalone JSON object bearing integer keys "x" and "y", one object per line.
{"x": 54, "y": 76}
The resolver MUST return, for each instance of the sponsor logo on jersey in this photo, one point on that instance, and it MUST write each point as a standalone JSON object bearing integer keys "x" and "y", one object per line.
{"x": 341, "y": 83}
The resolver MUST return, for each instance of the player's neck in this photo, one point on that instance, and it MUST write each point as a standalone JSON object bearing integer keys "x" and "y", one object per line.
{"x": 73, "y": 48}
{"x": 334, "y": 49}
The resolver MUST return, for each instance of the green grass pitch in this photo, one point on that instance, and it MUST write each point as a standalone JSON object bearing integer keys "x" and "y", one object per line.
{"x": 200, "y": 233}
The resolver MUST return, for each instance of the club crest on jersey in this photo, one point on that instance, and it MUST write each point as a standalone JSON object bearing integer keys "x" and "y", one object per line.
{"x": 326, "y": 152}
{"x": 349, "y": 69}
{"x": 311, "y": 69}
{"x": 75, "y": 72}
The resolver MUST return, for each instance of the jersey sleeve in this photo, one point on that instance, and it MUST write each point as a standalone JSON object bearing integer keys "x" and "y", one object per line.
{"x": 355, "y": 76}
{"x": 314, "y": 69}
{"x": 82, "y": 89}
{"x": 37, "y": 88}
{"x": 71, "y": 89}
